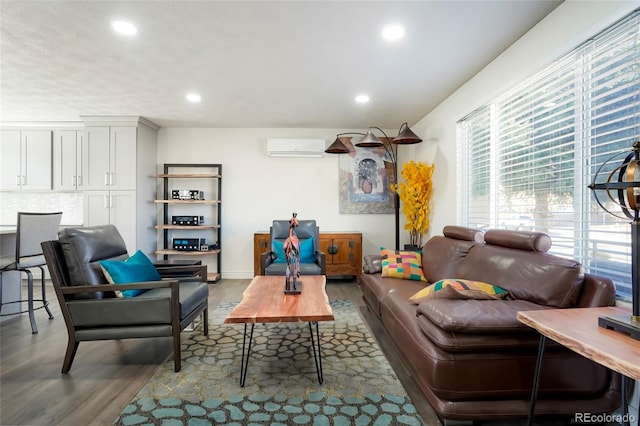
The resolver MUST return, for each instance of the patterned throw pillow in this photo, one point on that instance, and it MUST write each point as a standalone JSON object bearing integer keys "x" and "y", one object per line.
{"x": 402, "y": 264}
{"x": 459, "y": 289}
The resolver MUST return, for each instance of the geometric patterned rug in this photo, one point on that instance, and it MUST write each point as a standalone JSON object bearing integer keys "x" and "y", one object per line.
{"x": 359, "y": 388}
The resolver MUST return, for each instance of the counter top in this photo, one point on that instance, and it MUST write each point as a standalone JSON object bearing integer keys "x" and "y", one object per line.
{"x": 8, "y": 229}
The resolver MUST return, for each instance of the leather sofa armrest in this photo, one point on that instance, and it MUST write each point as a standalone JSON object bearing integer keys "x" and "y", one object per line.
{"x": 372, "y": 264}
{"x": 266, "y": 259}
{"x": 321, "y": 260}
{"x": 597, "y": 291}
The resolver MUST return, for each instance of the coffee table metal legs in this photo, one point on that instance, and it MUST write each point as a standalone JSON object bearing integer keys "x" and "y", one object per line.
{"x": 245, "y": 360}
{"x": 246, "y": 351}
{"x": 536, "y": 379}
{"x": 536, "y": 384}
{"x": 317, "y": 358}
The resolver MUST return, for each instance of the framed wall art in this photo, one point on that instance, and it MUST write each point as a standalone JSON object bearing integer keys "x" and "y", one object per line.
{"x": 364, "y": 181}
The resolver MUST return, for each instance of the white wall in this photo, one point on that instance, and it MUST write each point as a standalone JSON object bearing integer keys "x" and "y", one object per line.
{"x": 566, "y": 27}
{"x": 257, "y": 189}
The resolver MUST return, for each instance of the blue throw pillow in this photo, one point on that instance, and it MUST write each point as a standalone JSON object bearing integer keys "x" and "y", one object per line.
{"x": 137, "y": 268}
{"x": 278, "y": 248}
{"x": 307, "y": 252}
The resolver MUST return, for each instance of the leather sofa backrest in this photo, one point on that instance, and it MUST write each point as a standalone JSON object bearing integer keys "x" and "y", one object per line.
{"x": 84, "y": 247}
{"x": 517, "y": 262}
{"x": 441, "y": 255}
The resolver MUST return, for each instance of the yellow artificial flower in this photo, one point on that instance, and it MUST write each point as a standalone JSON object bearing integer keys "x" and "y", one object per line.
{"x": 415, "y": 194}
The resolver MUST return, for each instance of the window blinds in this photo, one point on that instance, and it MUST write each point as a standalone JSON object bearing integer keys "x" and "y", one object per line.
{"x": 526, "y": 158}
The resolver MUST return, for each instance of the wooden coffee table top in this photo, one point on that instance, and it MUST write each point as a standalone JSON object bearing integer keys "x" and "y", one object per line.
{"x": 264, "y": 301}
{"x": 578, "y": 330}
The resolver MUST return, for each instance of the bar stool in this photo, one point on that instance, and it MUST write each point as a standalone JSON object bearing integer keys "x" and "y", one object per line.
{"x": 33, "y": 228}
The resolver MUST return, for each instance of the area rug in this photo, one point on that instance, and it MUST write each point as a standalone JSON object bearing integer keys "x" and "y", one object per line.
{"x": 360, "y": 387}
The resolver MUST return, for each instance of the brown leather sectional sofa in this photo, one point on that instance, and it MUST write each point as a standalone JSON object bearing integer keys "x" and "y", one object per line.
{"x": 472, "y": 358}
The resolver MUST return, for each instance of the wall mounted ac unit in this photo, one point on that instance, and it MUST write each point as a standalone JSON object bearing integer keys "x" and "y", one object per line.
{"x": 296, "y": 147}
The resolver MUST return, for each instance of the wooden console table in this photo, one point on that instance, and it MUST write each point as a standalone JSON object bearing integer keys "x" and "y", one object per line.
{"x": 578, "y": 330}
{"x": 343, "y": 250}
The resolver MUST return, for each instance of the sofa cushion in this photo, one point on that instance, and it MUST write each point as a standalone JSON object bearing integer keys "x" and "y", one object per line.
{"x": 192, "y": 295}
{"x": 540, "y": 278}
{"x": 476, "y": 316}
{"x": 488, "y": 341}
{"x": 442, "y": 255}
{"x": 402, "y": 264}
{"x": 459, "y": 289}
{"x": 137, "y": 268}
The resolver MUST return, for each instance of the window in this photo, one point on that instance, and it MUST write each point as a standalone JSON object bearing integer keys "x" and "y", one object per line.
{"x": 525, "y": 160}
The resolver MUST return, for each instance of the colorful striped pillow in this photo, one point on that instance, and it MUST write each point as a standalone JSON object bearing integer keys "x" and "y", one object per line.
{"x": 459, "y": 289}
{"x": 406, "y": 265}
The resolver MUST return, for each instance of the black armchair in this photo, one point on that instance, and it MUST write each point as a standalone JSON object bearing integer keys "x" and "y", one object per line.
{"x": 272, "y": 264}
{"x": 89, "y": 304}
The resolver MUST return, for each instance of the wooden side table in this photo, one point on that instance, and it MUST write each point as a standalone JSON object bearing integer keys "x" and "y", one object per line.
{"x": 578, "y": 330}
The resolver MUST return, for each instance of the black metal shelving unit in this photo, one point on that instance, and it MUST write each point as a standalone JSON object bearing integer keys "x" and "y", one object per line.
{"x": 191, "y": 174}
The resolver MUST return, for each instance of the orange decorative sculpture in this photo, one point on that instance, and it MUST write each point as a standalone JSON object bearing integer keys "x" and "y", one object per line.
{"x": 292, "y": 253}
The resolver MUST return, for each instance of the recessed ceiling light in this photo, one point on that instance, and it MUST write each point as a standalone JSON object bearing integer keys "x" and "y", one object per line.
{"x": 124, "y": 28}
{"x": 392, "y": 32}
{"x": 362, "y": 99}
{"x": 194, "y": 97}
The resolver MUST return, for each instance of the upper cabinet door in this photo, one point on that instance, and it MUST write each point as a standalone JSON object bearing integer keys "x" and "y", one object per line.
{"x": 123, "y": 158}
{"x": 25, "y": 157}
{"x": 10, "y": 159}
{"x": 36, "y": 160}
{"x": 96, "y": 158}
{"x": 110, "y": 158}
{"x": 67, "y": 160}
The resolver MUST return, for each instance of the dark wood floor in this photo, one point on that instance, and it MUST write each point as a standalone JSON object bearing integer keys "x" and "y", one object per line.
{"x": 106, "y": 375}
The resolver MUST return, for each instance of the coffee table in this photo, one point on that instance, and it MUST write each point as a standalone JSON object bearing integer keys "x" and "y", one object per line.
{"x": 264, "y": 301}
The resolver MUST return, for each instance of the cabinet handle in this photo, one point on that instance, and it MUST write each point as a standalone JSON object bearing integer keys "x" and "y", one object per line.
{"x": 111, "y": 178}
{"x": 351, "y": 257}
{"x": 74, "y": 180}
{"x": 110, "y": 201}
{"x": 106, "y": 202}
{"x": 106, "y": 179}
{"x": 79, "y": 180}
{"x": 18, "y": 180}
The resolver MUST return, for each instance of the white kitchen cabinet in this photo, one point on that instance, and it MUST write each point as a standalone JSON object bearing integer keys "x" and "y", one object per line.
{"x": 119, "y": 157}
{"x": 25, "y": 160}
{"x": 110, "y": 157}
{"x": 68, "y": 162}
{"x": 113, "y": 207}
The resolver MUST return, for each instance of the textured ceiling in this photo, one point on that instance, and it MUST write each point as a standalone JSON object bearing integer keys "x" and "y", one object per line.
{"x": 255, "y": 63}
